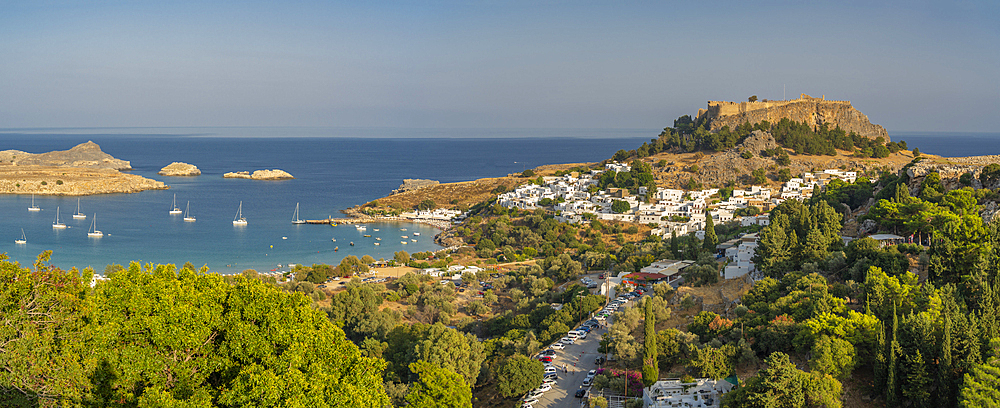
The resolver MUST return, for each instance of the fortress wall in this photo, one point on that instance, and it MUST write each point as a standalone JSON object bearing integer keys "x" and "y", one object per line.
{"x": 811, "y": 111}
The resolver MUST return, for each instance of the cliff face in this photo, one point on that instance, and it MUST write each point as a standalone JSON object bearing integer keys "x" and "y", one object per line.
{"x": 806, "y": 109}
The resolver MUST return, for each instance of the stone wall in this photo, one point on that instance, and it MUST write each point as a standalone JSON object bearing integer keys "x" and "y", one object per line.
{"x": 806, "y": 109}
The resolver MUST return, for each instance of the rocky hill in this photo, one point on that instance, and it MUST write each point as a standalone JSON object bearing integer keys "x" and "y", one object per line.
{"x": 82, "y": 170}
{"x": 720, "y": 168}
{"x": 811, "y": 111}
{"x": 84, "y": 155}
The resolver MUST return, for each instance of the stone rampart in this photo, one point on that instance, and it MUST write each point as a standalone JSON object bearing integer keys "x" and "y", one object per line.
{"x": 811, "y": 111}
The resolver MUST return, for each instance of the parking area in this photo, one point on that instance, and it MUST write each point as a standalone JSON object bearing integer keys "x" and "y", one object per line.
{"x": 573, "y": 363}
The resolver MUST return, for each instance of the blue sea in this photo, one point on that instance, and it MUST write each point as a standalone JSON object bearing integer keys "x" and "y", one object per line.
{"x": 335, "y": 168}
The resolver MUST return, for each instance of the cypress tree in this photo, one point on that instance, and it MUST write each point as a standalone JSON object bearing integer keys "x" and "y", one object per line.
{"x": 944, "y": 365}
{"x": 675, "y": 246}
{"x": 711, "y": 240}
{"x": 880, "y": 359}
{"x": 650, "y": 366}
{"x": 891, "y": 384}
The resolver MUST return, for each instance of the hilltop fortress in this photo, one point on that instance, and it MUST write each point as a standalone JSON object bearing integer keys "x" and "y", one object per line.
{"x": 809, "y": 110}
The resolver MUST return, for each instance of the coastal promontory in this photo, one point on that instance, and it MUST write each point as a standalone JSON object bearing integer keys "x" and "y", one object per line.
{"x": 275, "y": 174}
{"x": 82, "y": 170}
{"x": 179, "y": 169}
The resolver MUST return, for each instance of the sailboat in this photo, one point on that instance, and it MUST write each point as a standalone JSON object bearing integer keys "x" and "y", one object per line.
{"x": 79, "y": 215}
{"x": 23, "y": 239}
{"x": 295, "y": 217}
{"x": 239, "y": 220}
{"x": 187, "y": 213}
{"x": 33, "y": 206}
{"x": 94, "y": 233}
{"x": 57, "y": 224}
{"x": 175, "y": 210}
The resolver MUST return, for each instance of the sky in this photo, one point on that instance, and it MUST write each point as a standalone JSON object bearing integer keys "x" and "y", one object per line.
{"x": 908, "y": 65}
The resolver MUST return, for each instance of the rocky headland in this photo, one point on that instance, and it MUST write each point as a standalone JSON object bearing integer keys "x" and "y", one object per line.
{"x": 178, "y": 169}
{"x": 414, "y": 184}
{"x": 260, "y": 175}
{"x": 84, "y": 155}
{"x": 82, "y": 170}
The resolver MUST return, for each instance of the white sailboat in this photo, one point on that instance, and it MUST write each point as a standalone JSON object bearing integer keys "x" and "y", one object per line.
{"x": 56, "y": 224}
{"x": 295, "y": 217}
{"x": 23, "y": 240}
{"x": 33, "y": 206}
{"x": 94, "y": 233}
{"x": 239, "y": 220}
{"x": 79, "y": 215}
{"x": 175, "y": 210}
{"x": 187, "y": 213}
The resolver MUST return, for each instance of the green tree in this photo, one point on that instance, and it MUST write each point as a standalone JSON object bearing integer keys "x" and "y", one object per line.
{"x": 990, "y": 173}
{"x": 711, "y": 240}
{"x": 184, "y": 338}
{"x": 518, "y": 374}
{"x": 650, "y": 362}
{"x": 620, "y": 206}
{"x": 402, "y": 257}
{"x": 437, "y": 387}
{"x": 759, "y": 176}
{"x": 833, "y": 356}
{"x": 42, "y": 338}
{"x": 782, "y": 385}
{"x": 981, "y": 385}
{"x": 427, "y": 204}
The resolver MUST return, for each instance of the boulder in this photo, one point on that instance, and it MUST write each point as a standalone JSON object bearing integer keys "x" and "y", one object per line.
{"x": 180, "y": 169}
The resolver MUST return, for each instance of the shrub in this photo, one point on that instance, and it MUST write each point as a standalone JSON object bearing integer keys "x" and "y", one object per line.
{"x": 528, "y": 173}
{"x": 746, "y": 155}
{"x": 58, "y": 182}
{"x": 44, "y": 183}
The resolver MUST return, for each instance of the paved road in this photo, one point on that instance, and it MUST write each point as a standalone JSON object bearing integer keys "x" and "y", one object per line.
{"x": 579, "y": 359}
{"x": 582, "y": 353}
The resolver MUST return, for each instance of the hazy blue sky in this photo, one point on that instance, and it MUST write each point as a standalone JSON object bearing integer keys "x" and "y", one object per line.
{"x": 908, "y": 65}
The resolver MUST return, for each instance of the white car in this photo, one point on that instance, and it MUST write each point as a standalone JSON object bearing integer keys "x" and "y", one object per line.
{"x": 529, "y": 401}
{"x": 543, "y": 388}
{"x": 558, "y": 346}
{"x": 550, "y": 370}
{"x": 566, "y": 340}
{"x": 549, "y": 381}
{"x": 534, "y": 394}
{"x": 591, "y": 373}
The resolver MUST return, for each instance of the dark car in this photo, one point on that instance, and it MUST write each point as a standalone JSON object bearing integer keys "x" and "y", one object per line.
{"x": 580, "y": 393}
{"x": 600, "y": 360}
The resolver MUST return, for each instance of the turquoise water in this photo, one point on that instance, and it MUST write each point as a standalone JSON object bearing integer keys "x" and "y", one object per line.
{"x": 332, "y": 173}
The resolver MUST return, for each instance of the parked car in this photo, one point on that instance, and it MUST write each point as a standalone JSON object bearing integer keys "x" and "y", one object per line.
{"x": 587, "y": 381}
{"x": 566, "y": 340}
{"x": 580, "y": 393}
{"x": 558, "y": 346}
{"x": 530, "y": 400}
{"x": 545, "y": 359}
{"x": 600, "y": 360}
{"x": 550, "y": 369}
{"x": 543, "y": 388}
{"x": 549, "y": 352}
{"x": 549, "y": 381}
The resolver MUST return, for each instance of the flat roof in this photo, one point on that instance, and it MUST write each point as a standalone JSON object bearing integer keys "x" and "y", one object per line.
{"x": 880, "y": 237}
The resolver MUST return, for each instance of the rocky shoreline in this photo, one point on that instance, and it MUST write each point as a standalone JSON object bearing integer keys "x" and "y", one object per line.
{"x": 275, "y": 174}
{"x": 44, "y": 180}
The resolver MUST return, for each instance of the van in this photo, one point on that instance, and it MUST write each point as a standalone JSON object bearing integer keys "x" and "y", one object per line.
{"x": 573, "y": 334}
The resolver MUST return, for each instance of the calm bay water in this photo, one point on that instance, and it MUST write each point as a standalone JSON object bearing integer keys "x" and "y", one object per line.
{"x": 334, "y": 169}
